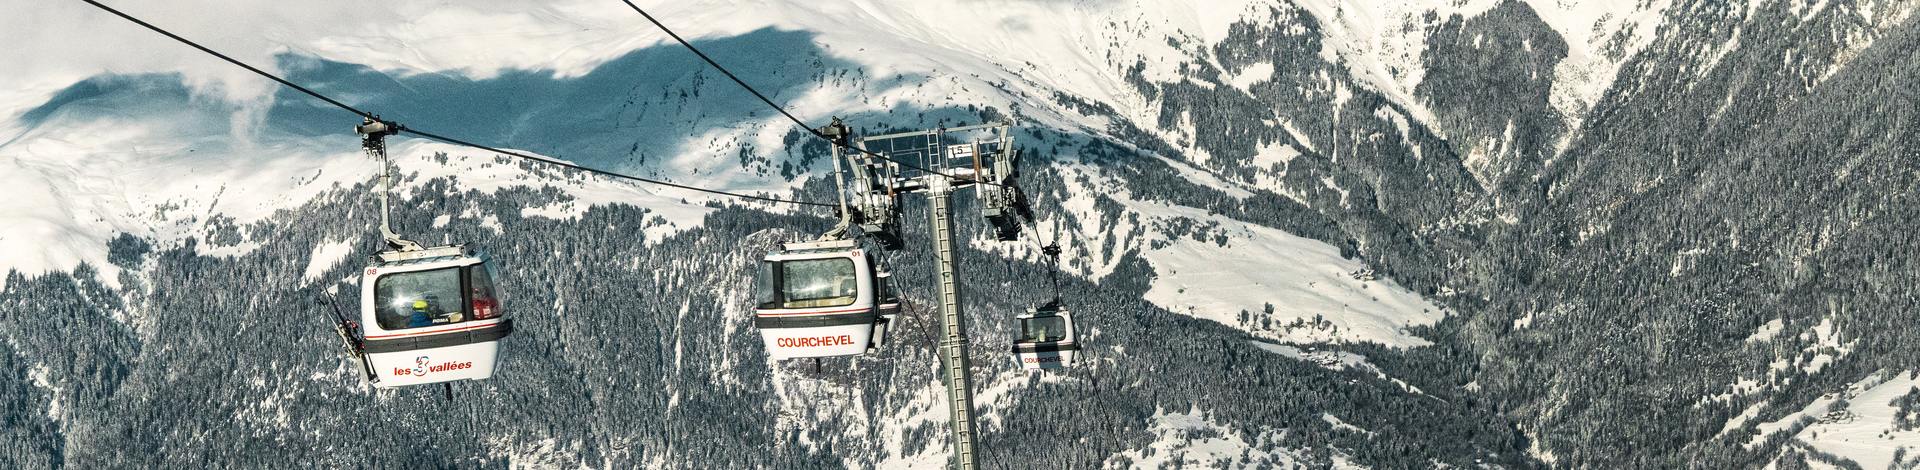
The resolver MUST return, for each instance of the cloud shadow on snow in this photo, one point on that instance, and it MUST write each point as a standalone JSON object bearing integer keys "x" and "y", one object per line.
{"x": 640, "y": 108}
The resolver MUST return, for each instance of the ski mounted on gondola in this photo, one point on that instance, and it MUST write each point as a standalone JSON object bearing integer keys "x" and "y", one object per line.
{"x": 350, "y": 340}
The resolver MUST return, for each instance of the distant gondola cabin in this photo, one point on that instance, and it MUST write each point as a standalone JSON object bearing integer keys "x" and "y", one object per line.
{"x": 1046, "y": 339}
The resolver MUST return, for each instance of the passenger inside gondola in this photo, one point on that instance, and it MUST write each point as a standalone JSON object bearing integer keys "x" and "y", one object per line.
{"x": 420, "y": 316}
{"x": 1044, "y": 329}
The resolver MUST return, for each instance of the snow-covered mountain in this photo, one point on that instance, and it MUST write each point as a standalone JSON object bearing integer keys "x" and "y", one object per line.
{"x": 1409, "y": 233}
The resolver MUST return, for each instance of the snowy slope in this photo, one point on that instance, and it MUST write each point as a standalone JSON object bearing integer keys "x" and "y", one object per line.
{"x": 1194, "y": 439}
{"x": 1266, "y": 281}
{"x": 87, "y": 181}
{"x": 1865, "y": 431}
{"x": 83, "y": 182}
{"x": 1300, "y": 279}
{"x": 1857, "y": 423}
{"x": 1383, "y": 42}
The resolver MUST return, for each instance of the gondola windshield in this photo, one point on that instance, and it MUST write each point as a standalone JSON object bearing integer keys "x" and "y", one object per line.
{"x": 434, "y": 297}
{"x": 1044, "y": 329}
{"x": 809, "y": 283}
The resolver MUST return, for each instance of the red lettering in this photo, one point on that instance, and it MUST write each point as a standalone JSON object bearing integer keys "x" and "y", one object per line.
{"x": 809, "y": 342}
{"x": 443, "y": 367}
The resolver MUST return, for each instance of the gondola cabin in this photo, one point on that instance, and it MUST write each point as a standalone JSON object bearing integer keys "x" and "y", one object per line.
{"x": 430, "y": 315}
{"x": 1047, "y": 339}
{"x": 817, "y": 299}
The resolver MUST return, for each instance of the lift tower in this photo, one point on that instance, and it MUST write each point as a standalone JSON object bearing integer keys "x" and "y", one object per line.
{"x": 951, "y": 159}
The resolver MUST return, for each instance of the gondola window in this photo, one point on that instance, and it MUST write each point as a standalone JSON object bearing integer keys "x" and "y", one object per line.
{"x": 1044, "y": 329}
{"x": 438, "y": 291}
{"x": 818, "y": 283}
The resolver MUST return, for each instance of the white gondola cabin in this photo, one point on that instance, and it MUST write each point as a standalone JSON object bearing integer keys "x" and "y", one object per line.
{"x": 821, "y": 299}
{"x": 1047, "y": 339}
{"x": 429, "y": 316}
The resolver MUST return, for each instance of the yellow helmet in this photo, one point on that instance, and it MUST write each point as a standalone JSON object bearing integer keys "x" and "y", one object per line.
{"x": 419, "y": 305}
